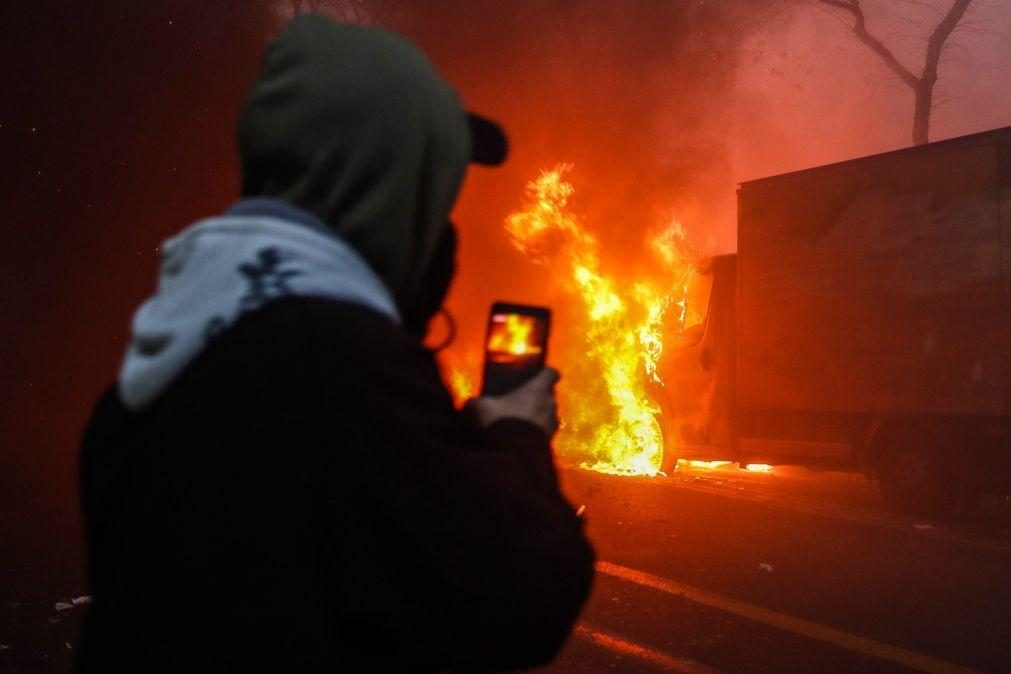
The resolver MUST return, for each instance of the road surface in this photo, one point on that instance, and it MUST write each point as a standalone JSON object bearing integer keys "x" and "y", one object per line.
{"x": 795, "y": 571}
{"x": 708, "y": 571}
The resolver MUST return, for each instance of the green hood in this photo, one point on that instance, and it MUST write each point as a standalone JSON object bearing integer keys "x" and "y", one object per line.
{"x": 355, "y": 125}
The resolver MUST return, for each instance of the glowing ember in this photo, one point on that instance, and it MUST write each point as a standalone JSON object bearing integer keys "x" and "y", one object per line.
{"x": 610, "y": 422}
{"x": 709, "y": 465}
{"x": 461, "y": 385}
{"x": 703, "y": 464}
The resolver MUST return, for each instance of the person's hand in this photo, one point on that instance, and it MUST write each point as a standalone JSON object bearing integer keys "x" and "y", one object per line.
{"x": 534, "y": 401}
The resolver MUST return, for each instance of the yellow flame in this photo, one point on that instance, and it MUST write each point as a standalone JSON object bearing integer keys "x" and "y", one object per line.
{"x": 624, "y": 328}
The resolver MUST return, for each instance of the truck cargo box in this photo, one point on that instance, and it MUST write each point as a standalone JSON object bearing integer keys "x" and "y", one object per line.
{"x": 879, "y": 285}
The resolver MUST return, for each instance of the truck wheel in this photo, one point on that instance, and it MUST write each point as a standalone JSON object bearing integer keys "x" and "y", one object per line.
{"x": 918, "y": 481}
{"x": 669, "y": 459}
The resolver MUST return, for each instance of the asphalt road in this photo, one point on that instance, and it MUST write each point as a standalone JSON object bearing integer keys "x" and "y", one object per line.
{"x": 727, "y": 571}
{"x": 708, "y": 571}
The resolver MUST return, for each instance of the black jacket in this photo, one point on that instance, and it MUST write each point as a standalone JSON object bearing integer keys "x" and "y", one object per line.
{"x": 305, "y": 497}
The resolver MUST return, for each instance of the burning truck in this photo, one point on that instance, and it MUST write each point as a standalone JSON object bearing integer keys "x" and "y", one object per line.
{"x": 864, "y": 323}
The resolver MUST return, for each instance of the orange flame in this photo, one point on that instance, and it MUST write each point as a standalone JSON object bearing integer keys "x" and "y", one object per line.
{"x": 610, "y": 423}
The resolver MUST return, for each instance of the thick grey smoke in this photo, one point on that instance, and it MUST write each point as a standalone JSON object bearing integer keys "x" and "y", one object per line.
{"x": 664, "y": 107}
{"x": 807, "y": 92}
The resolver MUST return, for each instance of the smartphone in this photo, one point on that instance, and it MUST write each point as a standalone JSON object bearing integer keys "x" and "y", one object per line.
{"x": 515, "y": 347}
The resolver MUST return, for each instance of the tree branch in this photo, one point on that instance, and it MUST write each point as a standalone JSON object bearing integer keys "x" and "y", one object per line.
{"x": 860, "y": 30}
{"x": 938, "y": 38}
{"x": 922, "y": 86}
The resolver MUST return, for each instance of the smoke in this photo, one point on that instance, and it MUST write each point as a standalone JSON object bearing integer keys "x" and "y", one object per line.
{"x": 663, "y": 108}
{"x": 633, "y": 95}
{"x": 807, "y": 92}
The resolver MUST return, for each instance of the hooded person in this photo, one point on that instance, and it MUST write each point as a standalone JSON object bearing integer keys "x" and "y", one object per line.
{"x": 278, "y": 479}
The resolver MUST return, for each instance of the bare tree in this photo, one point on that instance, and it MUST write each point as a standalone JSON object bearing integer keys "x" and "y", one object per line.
{"x": 922, "y": 85}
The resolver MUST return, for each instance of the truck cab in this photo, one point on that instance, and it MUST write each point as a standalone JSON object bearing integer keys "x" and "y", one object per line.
{"x": 695, "y": 384}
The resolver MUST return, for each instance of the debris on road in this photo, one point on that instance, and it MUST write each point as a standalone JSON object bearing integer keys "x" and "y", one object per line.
{"x": 76, "y": 601}
{"x": 924, "y": 527}
{"x": 765, "y": 567}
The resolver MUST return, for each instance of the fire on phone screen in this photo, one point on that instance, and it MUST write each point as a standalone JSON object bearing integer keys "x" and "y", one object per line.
{"x": 515, "y": 338}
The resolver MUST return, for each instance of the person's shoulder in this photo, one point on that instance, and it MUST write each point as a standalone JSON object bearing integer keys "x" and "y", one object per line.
{"x": 295, "y": 351}
{"x": 107, "y": 413}
{"x": 321, "y": 312}
{"x": 103, "y": 443}
{"x": 324, "y": 327}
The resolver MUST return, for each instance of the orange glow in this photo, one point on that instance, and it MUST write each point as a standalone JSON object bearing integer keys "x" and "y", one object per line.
{"x": 759, "y": 467}
{"x": 513, "y": 336}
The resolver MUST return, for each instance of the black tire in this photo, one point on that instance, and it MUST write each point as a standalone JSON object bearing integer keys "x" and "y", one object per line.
{"x": 669, "y": 461}
{"x": 918, "y": 479}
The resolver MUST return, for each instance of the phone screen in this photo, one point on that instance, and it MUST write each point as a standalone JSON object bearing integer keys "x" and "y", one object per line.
{"x": 515, "y": 347}
{"x": 515, "y": 337}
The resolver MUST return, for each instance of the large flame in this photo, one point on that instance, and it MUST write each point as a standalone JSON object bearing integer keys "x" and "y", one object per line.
{"x": 610, "y": 422}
